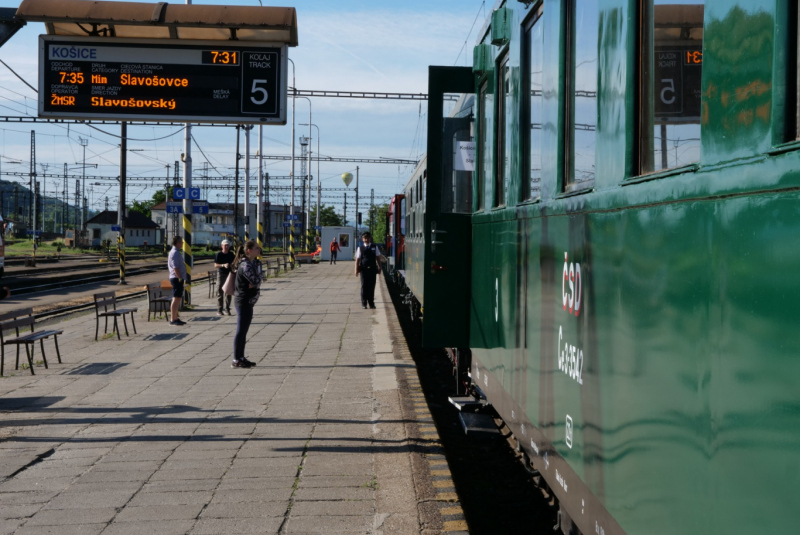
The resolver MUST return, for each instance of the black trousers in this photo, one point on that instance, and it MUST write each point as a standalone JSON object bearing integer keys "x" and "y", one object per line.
{"x": 368, "y": 287}
{"x": 333, "y": 257}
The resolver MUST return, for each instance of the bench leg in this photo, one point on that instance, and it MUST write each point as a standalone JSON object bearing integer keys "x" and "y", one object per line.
{"x": 2, "y": 358}
{"x": 125, "y": 323}
{"x": 29, "y": 352}
{"x": 106, "y": 328}
{"x": 133, "y": 323}
{"x": 116, "y": 328}
{"x": 44, "y": 357}
{"x": 96, "y": 328}
{"x": 58, "y": 353}
{"x": 16, "y": 367}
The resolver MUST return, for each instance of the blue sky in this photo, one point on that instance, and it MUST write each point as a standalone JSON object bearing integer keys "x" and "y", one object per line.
{"x": 355, "y": 45}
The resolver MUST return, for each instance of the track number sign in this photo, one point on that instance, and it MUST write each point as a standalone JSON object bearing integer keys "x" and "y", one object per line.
{"x": 161, "y": 80}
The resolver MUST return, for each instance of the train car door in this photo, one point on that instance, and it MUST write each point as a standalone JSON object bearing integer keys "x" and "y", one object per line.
{"x": 448, "y": 207}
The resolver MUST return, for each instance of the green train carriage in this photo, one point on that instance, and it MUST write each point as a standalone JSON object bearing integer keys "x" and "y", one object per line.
{"x": 624, "y": 272}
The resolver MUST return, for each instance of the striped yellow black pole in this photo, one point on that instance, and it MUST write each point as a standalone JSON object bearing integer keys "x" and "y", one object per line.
{"x": 260, "y": 237}
{"x": 187, "y": 256}
{"x": 291, "y": 245}
{"x": 121, "y": 257}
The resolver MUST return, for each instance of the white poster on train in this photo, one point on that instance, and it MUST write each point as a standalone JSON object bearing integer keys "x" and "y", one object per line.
{"x": 465, "y": 156}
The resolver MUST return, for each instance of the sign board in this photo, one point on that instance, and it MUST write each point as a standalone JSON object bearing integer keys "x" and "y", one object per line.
{"x": 465, "y": 156}
{"x": 677, "y": 76}
{"x": 161, "y": 80}
{"x": 179, "y": 193}
{"x": 36, "y": 232}
{"x": 287, "y": 225}
{"x": 194, "y": 194}
{"x": 200, "y": 207}
{"x": 292, "y": 217}
{"x": 115, "y": 228}
{"x": 174, "y": 207}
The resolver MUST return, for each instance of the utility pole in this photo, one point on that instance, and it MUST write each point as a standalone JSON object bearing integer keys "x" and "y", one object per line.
{"x": 304, "y": 148}
{"x": 31, "y": 180}
{"x": 356, "y": 219}
{"x": 345, "y": 209}
{"x": 83, "y": 142}
{"x": 65, "y": 202}
{"x": 247, "y": 181}
{"x": 372, "y": 211}
{"x": 123, "y": 176}
{"x": 260, "y": 193}
{"x": 236, "y": 193}
{"x": 76, "y": 212}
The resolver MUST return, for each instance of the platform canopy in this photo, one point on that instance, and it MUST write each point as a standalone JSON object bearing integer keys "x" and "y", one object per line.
{"x": 85, "y": 18}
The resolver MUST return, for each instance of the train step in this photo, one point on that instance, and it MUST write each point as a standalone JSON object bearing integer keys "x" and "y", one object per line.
{"x": 478, "y": 424}
{"x": 467, "y": 403}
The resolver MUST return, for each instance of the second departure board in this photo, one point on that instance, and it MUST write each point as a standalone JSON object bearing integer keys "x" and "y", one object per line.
{"x": 167, "y": 80}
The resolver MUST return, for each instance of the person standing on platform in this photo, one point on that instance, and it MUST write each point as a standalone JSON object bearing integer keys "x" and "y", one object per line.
{"x": 368, "y": 259}
{"x": 177, "y": 274}
{"x": 223, "y": 261}
{"x": 334, "y": 250}
{"x": 246, "y": 293}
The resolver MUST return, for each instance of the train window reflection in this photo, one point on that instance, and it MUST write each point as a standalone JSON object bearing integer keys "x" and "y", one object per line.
{"x": 671, "y": 68}
{"x": 534, "y": 62}
{"x": 502, "y": 172}
{"x": 486, "y": 164}
{"x": 458, "y": 162}
{"x": 582, "y": 105}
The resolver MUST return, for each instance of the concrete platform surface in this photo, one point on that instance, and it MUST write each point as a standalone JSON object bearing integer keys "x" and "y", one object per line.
{"x": 156, "y": 433}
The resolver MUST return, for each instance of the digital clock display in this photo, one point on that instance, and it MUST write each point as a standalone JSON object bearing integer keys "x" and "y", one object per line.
{"x": 694, "y": 57}
{"x": 221, "y": 57}
{"x": 161, "y": 80}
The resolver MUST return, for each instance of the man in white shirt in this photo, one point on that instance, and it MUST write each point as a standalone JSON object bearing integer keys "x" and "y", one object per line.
{"x": 177, "y": 274}
{"x": 368, "y": 265}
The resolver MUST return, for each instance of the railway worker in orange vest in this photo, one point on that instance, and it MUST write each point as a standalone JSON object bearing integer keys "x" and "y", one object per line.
{"x": 334, "y": 249}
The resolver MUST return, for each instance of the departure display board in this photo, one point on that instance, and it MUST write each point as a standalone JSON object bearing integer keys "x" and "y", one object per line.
{"x": 678, "y": 70}
{"x": 162, "y": 80}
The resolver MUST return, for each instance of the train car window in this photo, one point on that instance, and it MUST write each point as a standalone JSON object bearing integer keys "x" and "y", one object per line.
{"x": 485, "y": 164}
{"x": 670, "y": 91}
{"x": 502, "y": 152}
{"x": 533, "y": 58}
{"x": 458, "y": 160}
{"x": 581, "y": 92}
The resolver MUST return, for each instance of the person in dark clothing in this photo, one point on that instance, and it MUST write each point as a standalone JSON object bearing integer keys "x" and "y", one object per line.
{"x": 4, "y": 292}
{"x": 223, "y": 261}
{"x": 368, "y": 265}
{"x": 246, "y": 293}
{"x": 334, "y": 250}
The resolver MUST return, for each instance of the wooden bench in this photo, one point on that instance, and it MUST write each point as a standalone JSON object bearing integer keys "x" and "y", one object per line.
{"x": 273, "y": 265}
{"x": 105, "y": 306}
{"x": 157, "y": 301}
{"x": 21, "y": 319}
{"x": 282, "y": 262}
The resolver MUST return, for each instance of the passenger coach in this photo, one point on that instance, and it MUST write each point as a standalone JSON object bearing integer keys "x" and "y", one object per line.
{"x": 606, "y": 233}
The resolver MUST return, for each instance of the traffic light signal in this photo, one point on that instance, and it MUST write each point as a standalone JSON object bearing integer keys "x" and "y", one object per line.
{"x": 359, "y": 218}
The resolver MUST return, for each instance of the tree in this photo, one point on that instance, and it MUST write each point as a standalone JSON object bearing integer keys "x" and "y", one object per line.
{"x": 327, "y": 216}
{"x": 143, "y": 207}
{"x": 379, "y": 229}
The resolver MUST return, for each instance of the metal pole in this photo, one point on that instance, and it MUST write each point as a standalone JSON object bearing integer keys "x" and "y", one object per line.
{"x": 291, "y": 207}
{"x": 236, "y": 194}
{"x": 319, "y": 190}
{"x": 247, "y": 182}
{"x": 83, "y": 143}
{"x": 308, "y": 183}
{"x": 260, "y": 194}
{"x": 356, "y": 218}
{"x": 187, "y": 208}
{"x": 123, "y": 175}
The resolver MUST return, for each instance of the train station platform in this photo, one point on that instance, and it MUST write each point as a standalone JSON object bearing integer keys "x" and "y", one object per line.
{"x": 156, "y": 433}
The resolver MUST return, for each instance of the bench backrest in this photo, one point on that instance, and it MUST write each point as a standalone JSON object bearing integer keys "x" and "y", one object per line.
{"x": 105, "y": 300}
{"x": 15, "y": 319}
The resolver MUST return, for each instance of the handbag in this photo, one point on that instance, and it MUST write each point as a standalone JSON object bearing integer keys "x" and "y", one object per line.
{"x": 230, "y": 282}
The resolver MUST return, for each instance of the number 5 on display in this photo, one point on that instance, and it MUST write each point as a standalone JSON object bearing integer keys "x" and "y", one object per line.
{"x": 256, "y": 90}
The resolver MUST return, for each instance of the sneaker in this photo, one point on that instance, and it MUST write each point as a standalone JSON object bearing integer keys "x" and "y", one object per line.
{"x": 177, "y": 322}
{"x": 220, "y": 313}
{"x": 372, "y": 306}
{"x": 229, "y": 312}
{"x": 248, "y": 362}
{"x": 240, "y": 364}
{"x": 363, "y": 306}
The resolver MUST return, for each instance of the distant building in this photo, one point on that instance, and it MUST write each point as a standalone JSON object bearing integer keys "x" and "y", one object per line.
{"x": 217, "y": 225}
{"x": 139, "y": 230}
